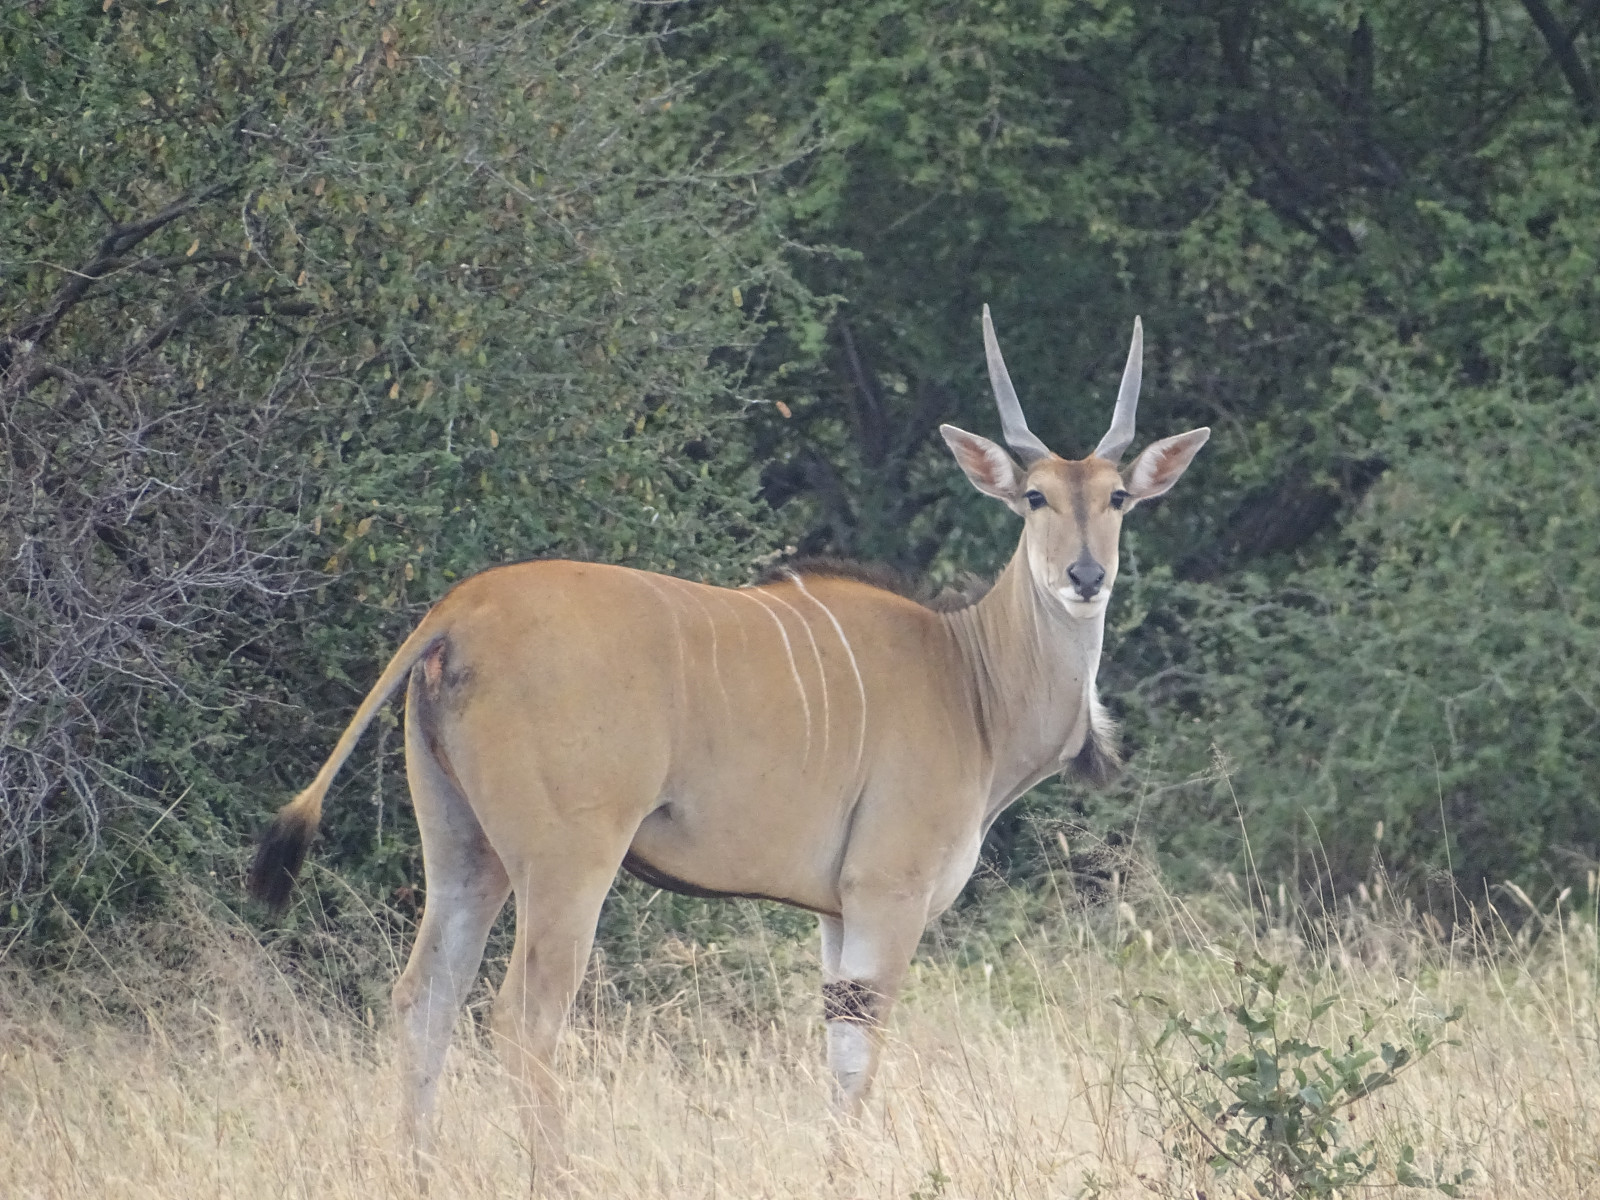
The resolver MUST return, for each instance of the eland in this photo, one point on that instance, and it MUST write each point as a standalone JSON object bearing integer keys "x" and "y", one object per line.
{"x": 814, "y": 739}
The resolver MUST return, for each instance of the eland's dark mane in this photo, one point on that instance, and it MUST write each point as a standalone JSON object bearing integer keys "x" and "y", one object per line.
{"x": 966, "y": 592}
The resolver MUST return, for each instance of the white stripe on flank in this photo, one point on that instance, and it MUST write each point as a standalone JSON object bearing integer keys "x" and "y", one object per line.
{"x": 822, "y": 672}
{"x": 794, "y": 668}
{"x": 861, "y": 740}
{"x": 716, "y": 667}
{"x": 722, "y": 593}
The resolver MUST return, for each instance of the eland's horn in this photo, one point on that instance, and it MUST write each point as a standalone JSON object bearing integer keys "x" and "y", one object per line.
{"x": 1120, "y": 436}
{"x": 1013, "y": 426}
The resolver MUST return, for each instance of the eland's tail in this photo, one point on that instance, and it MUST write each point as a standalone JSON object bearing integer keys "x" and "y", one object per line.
{"x": 283, "y": 847}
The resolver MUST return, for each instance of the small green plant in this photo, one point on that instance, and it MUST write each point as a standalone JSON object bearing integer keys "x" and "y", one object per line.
{"x": 1266, "y": 1106}
{"x": 933, "y": 1184}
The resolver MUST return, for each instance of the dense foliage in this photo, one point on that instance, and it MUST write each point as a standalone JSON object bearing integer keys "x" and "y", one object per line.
{"x": 1362, "y": 239}
{"x": 307, "y": 313}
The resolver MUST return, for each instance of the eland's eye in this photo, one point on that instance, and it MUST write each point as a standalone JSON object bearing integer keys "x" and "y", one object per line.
{"x": 1118, "y": 499}
{"x": 1034, "y": 498}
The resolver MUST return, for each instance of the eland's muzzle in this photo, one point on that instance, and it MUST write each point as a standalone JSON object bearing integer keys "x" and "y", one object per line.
{"x": 1086, "y": 576}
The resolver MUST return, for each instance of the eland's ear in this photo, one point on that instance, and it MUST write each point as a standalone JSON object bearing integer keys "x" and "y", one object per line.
{"x": 1161, "y": 463}
{"x": 991, "y": 470}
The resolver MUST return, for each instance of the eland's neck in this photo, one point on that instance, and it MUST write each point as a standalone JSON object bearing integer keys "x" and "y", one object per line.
{"x": 1032, "y": 669}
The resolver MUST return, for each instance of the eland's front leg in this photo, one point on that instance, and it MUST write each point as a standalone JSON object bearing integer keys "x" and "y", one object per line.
{"x": 865, "y": 954}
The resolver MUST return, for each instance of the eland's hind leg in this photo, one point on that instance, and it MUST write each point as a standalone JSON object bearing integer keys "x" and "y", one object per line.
{"x": 560, "y": 787}
{"x": 466, "y": 889}
{"x": 559, "y": 893}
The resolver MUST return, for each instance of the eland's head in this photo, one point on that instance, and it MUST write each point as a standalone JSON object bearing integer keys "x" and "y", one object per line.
{"x": 1072, "y": 508}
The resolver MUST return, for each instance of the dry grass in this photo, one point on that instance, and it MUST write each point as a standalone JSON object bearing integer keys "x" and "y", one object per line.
{"x": 1012, "y": 1071}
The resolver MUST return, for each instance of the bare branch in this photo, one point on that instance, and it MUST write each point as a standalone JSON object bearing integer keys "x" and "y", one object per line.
{"x": 1565, "y": 52}
{"x": 117, "y": 242}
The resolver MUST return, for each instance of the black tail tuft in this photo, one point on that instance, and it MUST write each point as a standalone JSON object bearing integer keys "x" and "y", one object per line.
{"x": 283, "y": 848}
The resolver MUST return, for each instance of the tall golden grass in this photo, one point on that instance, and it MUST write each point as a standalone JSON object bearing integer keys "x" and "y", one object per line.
{"x": 1012, "y": 1070}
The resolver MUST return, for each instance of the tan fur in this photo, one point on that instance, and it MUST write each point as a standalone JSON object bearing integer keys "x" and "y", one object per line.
{"x": 815, "y": 739}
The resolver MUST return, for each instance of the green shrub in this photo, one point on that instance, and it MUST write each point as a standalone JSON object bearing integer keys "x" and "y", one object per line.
{"x": 1251, "y": 1091}
{"x": 307, "y": 315}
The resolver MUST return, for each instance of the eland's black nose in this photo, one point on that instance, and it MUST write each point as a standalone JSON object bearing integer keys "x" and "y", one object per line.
{"x": 1086, "y": 576}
